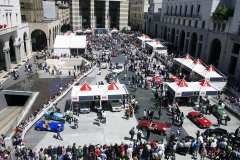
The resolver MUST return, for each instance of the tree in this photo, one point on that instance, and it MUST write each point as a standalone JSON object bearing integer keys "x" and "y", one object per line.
{"x": 222, "y": 13}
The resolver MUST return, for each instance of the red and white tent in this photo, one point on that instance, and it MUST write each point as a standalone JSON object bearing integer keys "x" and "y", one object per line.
{"x": 185, "y": 60}
{"x": 84, "y": 92}
{"x": 114, "y": 30}
{"x": 69, "y": 33}
{"x": 88, "y": 30}
{"x": 181, "y": 89}
{"x": 204, "y": 88}
{"x": 79, "y": 30}
{"x": 113, "y": 91}
{"x": 210, "y": 74}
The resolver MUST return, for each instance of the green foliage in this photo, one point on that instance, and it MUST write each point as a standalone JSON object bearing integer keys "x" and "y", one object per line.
{"x": 222, "y": 13}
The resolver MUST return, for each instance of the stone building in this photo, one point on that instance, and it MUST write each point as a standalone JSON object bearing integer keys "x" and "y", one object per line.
{"x": 98, "y": 14}
{"x": 63, "y": 13}
{"x": 15, "y": 43}
{"x": 42, "y": 30}
{"x": 190, "y": 27}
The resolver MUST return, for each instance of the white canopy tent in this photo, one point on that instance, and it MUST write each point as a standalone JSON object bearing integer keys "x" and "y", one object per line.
{"x": 113, "y": 92}
{"x": 204, "y": 88}
{"x": 64, "y": 44}
{"x": 61, "y": 45}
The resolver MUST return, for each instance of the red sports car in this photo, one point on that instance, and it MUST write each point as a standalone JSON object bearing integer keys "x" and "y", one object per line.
{"x": 158, "y": 79}
{"x": 157, "y": 127}
{"x": 199, "y": 119}
{"x": 114, "y": 54}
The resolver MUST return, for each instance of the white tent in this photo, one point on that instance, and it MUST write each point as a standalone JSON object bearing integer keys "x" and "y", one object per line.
{"x": 84, "y": 92}
{"x": 113, "y": 91}
{"x": 210, "y": 74}
{"x": 181, "y": 89}
{"x": 61, "y": 45}
{"x": 78, "y": 42}
{"x": 204, "y": 88}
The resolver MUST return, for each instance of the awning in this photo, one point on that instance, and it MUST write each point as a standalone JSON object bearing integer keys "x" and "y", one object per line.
{"x": 61, "y": 44}
{"x": 78, "y": 42}
{"x": 181, "y": 89}
{"x": 204, "y": 88}
{"x": 113, "y": 91}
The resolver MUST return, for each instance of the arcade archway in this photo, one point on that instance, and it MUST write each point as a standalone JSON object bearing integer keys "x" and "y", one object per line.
{"x": 12, "y": 50}
{"x": 39, "y": 40}
{"x": 172, "y": 35}
{"x": 193, "y": 44}
{"x": 182, "y": 40}
{"x": 24, "y": 43}
{"x": 165, "y": 33}
{"x": 215, "y": 52}
{"x": 156, "y": 30}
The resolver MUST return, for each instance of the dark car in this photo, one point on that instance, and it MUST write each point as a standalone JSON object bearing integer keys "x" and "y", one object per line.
{"x": 216, "y": 131}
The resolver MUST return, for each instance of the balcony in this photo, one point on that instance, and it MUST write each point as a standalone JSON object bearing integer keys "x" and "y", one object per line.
{"x": 183, "y": 15}
{"x": 8, "y": 30}
{"x": 235, "y": 37}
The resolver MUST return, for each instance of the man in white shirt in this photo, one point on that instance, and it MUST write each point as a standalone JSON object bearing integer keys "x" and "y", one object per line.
{"x": 104, "y": 116}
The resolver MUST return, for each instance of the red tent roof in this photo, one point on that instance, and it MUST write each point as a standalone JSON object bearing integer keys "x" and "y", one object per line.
{"x": 143, "y": 35}
{"x": 182, "y": 83}
{"x": 197, "y": 62}
{"x": 210, "y": 69}
{"x": 113, "y": 86}
{"x": 187, "y": 57}
{"x": 176, "y": 79}
{"x": 69, "y": 33}
{"x": 88, "y": 29}
{"x": 205, "y": 84}
{"x": 85, "y": 87}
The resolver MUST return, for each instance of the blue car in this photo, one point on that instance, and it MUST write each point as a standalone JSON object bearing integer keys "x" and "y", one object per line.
{"x": 45, "y": 126}
{"x": 54, "y": 116}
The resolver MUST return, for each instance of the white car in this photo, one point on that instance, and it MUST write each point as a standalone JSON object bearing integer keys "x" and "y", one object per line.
{"x": 118, "y": 70}
{"x": 103, "y": 65}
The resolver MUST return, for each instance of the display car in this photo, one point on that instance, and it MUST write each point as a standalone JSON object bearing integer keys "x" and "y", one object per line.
{"x": 45, "y": 126}
{"x": 118, "y": 69}
{"x": 219, "y": 111}
{"x": 156, "y": 127}
{"x": 54, "y": 115}
{"x": 199, "y": 119}
{"x": 216, "y": 131}
{"x": 158, "y": 79}
{"x": 103, "y": 65}
{"x": 113, "y": 54}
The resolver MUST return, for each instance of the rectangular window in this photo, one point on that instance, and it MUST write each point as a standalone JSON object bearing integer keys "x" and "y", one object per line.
{"x": 179, "y": 21}
{"x": 189, "y": 23}
{"x": 184, "y": 22}
{"x": 239, "y": 29}
{"x": 223, "y": 27}
{"x": 214, "y": 26}
{"x": 219, "y": 26}
{"x": 22, "y": 5}
{"x": 188, "y": 33}
{"x": 201, "y": 38}
{"x": 23, "y": 18}
{"x": 236, "y": 48}
{"x": 196, "y": 23}
{"x": 159, "y": 10}
{"x": 203, "y": 24}
{"x": 177, "y": 31}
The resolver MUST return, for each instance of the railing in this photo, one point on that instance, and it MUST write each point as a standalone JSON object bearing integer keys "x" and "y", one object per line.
{"x": 17, "y": 119}
{"x": 41, "y": 113}
{"x": 8, "y": 30}
{"x": 183, "y": 15}
{"x": 235, "y": 37}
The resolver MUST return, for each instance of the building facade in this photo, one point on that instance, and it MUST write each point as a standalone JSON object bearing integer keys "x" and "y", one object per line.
{"x": 63, "y": 13}
{"x": 98, "y": 14}
{"x": 43, "y": 30}
{"x": 15, "y": 40}
{"x": 190, "y": 27}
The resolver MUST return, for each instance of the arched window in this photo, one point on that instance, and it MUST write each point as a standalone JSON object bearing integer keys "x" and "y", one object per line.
{"x": 199, "y": 9}
{"x": 185, "y": 13}
{"x": 180, "y": 12}
{"x": 171, "y": 9}
{"x": 175, "y": 10}
{"x": 191, "y": 14}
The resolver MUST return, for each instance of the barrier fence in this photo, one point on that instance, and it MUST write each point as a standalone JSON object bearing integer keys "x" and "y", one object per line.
{"x": 40, "y": 115}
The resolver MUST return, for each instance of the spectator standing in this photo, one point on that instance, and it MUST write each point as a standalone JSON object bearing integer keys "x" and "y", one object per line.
{"x": 132, "y": 132}
{"x": 139, "y": 135}
{"x": 148, "y": 133}
{"x": 70, "y": 116}
{"x": 219, "y": 121}
{"x": 178, "y": 132}
{"x": 58, "y": 133}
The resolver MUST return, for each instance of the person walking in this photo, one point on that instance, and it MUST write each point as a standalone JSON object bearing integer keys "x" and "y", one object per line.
{"x": 159, "y": 113}
{"x": 75, "y": 123}
{"x": 139, "y": 135}
{"x": 69, "y": 73}
{"x": 219, "y": 121}
{"x": 70, "y": 116}
{"x": 132, "y": 132}
{"x": 148, "y": 134}
{"x": 178, "y": 132}
{"x": 125, "y": 75}
{"x": 58, "y": 133}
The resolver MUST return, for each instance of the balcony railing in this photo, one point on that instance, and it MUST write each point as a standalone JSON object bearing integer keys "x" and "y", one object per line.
{"x": 8, "y": 30}
{"x": 235, "y": 37}
{"x": 183, "y": 15}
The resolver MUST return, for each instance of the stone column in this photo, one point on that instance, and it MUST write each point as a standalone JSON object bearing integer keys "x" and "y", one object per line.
{"x": 17, "y": 55}
{"x": 7, "y": 59}
{"x": 48, "y": 45}
{"x": 92, "y": 16}
{"x": 28, "y": 46}
{"x": 107, "y": 14}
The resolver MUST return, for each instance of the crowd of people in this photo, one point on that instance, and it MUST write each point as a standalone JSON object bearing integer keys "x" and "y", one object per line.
{"x": 203, "y": 145}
